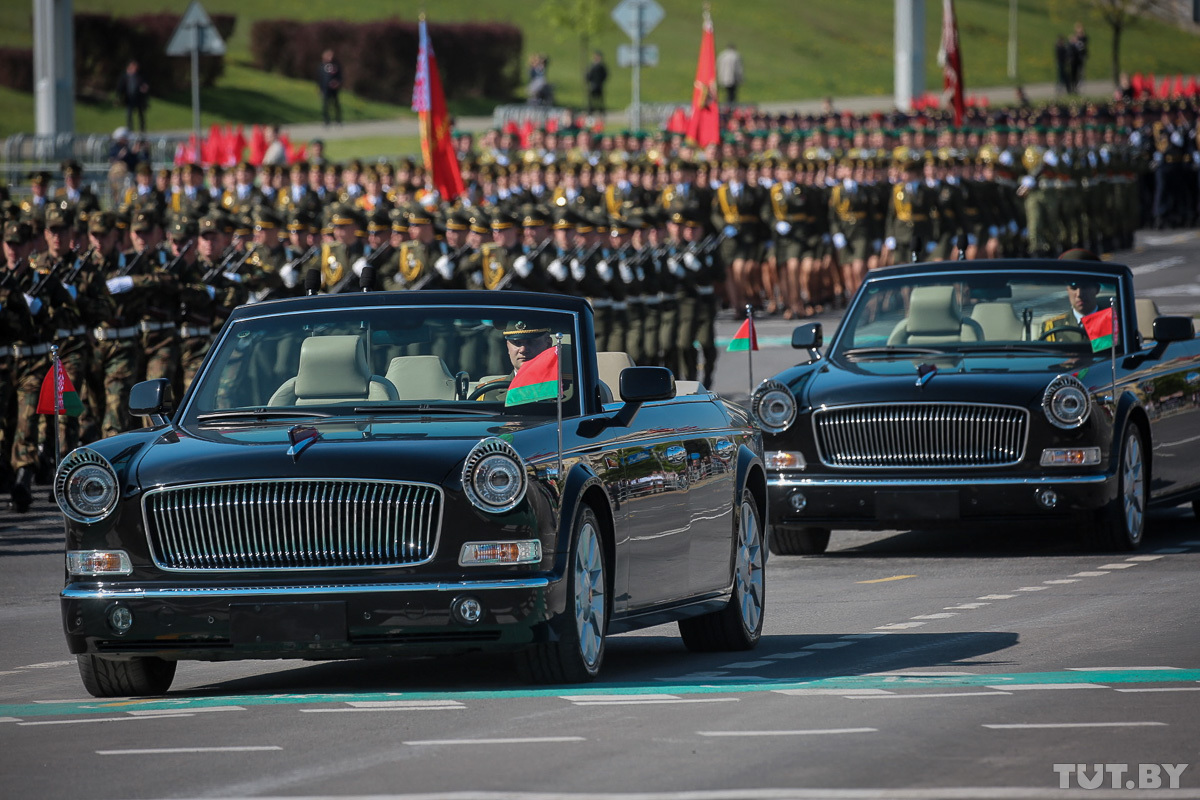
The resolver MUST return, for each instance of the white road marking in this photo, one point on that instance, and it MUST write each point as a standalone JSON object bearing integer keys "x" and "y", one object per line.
{"x": 941, "y": 673}
{"x": 899, "y": 626}
{"x": 1144, "y": 558}
{"x": 829, "y": 692}
{"x": 584, "y": 698}
{"x": 1122, "y": 565}
{"x": 801, "y": 654}
{"x": 514, "y": 740}
{"x": 966, "y": 606}
{"x": 369, "y": 704}
{"x": 1163, "y": 689}
{"x": 936, "y": 694}
{"x": 996, "y": 597}
{"x": 10, "y": 719}
{"x": 677, "y": 701}
{"x": 1155, "y": 266}
{"x": 827, "y": 645}
{"x": 153, "y": 751}
{"x": 164, "y": 712}
{"x": 934, "y": 616}
{"x": 83, "y": 720}
{"x": 11, "y": 672}
{"x": 1033, "y": 588}
{"x": 860, "y": 636}
{"x": 1026, "y": 725}
{"x": 1023, "y": 687}
{"x": 1088, "y": 574}
{"x": 812, "y": 732}
{"x": 48, "y": 665}
{"x": 1061, "y": 581}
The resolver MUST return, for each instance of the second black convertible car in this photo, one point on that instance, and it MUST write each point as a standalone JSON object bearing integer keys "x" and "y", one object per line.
{"x": 391, "y": 473}
{"x": 967, "y": 392}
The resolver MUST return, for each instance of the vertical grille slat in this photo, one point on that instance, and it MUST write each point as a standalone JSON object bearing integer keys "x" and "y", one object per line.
{"x": 304, "y": 524}
{"x": 921, "y": 435}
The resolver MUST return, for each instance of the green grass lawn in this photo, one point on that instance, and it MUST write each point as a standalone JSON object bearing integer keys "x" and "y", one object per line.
{"x": 792, "y": 49}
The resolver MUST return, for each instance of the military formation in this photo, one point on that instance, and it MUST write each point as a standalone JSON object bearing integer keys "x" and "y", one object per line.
{"x": 786, "y": 215}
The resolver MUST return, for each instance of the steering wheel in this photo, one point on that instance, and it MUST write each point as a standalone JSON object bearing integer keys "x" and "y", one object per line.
{"x": 489, "y": 387}
{"x": 1063, "y": 329}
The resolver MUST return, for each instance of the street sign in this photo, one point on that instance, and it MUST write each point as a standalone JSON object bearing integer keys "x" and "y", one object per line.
{"x": 196, "y": 32}
{"x": 627, "y": 55}
{"x": 626, "y": 16}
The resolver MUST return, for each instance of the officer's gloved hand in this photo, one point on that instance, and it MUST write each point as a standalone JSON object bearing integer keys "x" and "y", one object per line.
{"x": 523, "y": 266}
{"x": 578, "y": 270}
{"x": 445, "y": 267}
{"x": 930, "y": 247}
{"x": 232, "y": 277}
{"x": 119, "y": 285}
{"x": 691, "y": 262}
{"x": 358, "y": 266}
{"x": 34, "y": 303}
{"x": 557, "y": 270}
{"x": 674, "y": 267}
{"x": 890, "y": 243}
{"x": 783, "y": 228}
{"x": 604, "y": 270}
{"x": 730, "y": 231}
{"x": 288, "y": 273}
{"x": 839, "y": 240}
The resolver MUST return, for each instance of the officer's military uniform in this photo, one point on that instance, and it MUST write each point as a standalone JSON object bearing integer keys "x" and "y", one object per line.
{"x": 910, "y": 221}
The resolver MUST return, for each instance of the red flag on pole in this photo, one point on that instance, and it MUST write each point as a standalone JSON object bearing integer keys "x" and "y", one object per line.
{"x": 430, "y": 104}
{"x": 58, "y": 395}
{"x": 704, "y": 128}
{"x": 951, "y": 60}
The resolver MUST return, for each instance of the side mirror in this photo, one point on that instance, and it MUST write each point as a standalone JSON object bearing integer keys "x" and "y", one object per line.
{"x": 808, "y": 336}
{"x": 151, "y": 398}
{"x": 647, "y": 384}
{"x": 1173, "y": 329}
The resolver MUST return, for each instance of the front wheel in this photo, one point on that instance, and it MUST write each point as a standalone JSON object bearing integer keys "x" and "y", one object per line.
{"x": 799, "y": 541}
{"x": 133, "y": 677}
{"x": 1121, "y": 524}
{"x": 737, "y": 626}
{"x": 577, "y": 651}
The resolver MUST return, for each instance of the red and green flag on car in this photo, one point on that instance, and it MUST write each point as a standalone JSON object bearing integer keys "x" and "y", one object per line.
{"x": 745, "y": 338}
{"x": 537, "y": 379}
{"x": 58, "y": 395}
{"x": 1101, "y": 328}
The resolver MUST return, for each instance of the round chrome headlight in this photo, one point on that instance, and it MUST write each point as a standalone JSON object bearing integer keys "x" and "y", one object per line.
{"x": 494, "y": 476}
{"x": 773, "y": 406}
{"x": 1066, "y": 402}
{"x": 85, "y": 486}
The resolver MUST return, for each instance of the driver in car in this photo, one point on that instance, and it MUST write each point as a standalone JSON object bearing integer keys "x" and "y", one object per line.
{"x": 1068, "y": 326}
{"x": 524, "y": 341}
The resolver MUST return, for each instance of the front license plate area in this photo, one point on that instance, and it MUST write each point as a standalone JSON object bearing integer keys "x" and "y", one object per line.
{"x": 917, "y": 505}
{"x": 298, "y": 624}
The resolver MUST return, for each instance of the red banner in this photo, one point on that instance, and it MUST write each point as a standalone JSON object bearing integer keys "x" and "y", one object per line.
{"x": 429, "y": 102}
{"x": 704, "y": 127}
{"x": 951, "y": 61}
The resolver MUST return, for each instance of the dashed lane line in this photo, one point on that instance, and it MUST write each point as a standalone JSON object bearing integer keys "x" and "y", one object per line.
{"x": 927, "y": 695}
{"x": 512, "y": 740}
{"x": 1035, "y": 725}
{"x": 158, "y": 751}
{"x": 1024, "y": 687}
{"x": 810, "y": 732}
{"x": 1121, "y": 565}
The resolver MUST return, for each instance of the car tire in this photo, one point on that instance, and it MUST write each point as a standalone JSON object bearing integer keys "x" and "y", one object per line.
{"x": 133, "y": 677}
{"x": 799, "y": 541}
{"x": 1121, "y": 524}
{"x": 577, "y": 652}
{"x": 737, "y": 626}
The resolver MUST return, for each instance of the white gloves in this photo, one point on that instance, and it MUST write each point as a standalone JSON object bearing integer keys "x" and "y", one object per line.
{"x": 119, "y": 285}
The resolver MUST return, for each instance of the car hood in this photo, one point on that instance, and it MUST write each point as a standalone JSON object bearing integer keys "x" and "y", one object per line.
{"x": 1012, "y": 380}
{"x": 349, "y": 448}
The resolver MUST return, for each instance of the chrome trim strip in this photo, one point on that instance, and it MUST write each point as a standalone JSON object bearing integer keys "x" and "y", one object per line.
{"x": 1079, "y": 480}
{"x": 276, "y": 591}
{"x": 214, "y": 525}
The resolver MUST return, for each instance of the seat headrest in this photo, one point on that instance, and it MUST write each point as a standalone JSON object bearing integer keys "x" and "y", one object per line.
{"x": 934, "y": 310}
{"x": 333, "y": 367}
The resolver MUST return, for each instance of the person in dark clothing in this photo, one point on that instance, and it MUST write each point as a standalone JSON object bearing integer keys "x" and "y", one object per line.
{"x": 596, "y": 76}
{"x": 134, "y": 92}
{"x": 1062, "y": 60}
{"x": 330, "y": 81}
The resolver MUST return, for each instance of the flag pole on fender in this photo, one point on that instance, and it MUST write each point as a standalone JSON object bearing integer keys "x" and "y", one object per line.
{"x": 58, "y": 402}
{"x": 746, "y": 339}
{"x": 558, "y": 402}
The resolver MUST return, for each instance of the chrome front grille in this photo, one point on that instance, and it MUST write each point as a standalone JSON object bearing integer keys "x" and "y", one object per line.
{"x": 921, "y": 435}
{"x": 293, "y": 524}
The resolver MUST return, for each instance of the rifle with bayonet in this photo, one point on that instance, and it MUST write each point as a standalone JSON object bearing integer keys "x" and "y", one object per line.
{"x": 221, "y": 269}
{"x": 175, "y": 262}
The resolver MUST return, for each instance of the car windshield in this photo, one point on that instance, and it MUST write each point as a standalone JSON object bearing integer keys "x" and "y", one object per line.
{"x": 982, "y": 312}
{"x": 449, "y": 361}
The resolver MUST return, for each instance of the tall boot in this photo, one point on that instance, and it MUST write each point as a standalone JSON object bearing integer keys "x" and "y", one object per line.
{"x": 22, "y": 490}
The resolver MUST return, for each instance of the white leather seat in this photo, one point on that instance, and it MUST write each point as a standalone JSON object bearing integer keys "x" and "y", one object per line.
{"x": 999, "y": 321}
{"x": 333, "y": 369}
{"x": 934, "y": 317}
{"x": 421, "y": 378}
{"x": 609, "y": 365}
{"x": 1147, "y": 311}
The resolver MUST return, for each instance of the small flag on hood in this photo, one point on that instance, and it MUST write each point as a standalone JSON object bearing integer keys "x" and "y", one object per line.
{"x": 745, "y": 338}
{"x": 60, "y": 399}
{"x": 1100, "y": 329}
{"x": 537, "y": 379}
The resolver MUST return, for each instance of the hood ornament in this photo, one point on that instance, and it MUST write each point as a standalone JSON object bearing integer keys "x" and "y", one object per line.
{"x": 925, "y": 373}
{"x": 301, "y": 437}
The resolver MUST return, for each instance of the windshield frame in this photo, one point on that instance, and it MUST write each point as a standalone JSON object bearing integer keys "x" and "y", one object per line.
{"x": 188, "y": 412}
{"x": 840, "y": 350}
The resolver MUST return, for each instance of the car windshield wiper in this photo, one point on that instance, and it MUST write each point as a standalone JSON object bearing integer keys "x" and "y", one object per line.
{"x": 259, "y": 413}
{"x": 422, "y": 409}
{"x": 1005, "y": 348}
{"x": 855, "y": 352}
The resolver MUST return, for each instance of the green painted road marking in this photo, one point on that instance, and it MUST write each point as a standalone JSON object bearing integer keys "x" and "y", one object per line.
{"x": 703, "y": 686}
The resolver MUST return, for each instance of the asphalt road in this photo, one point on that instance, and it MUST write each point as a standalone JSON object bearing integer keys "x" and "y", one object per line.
{"x": 972, "y": 664}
